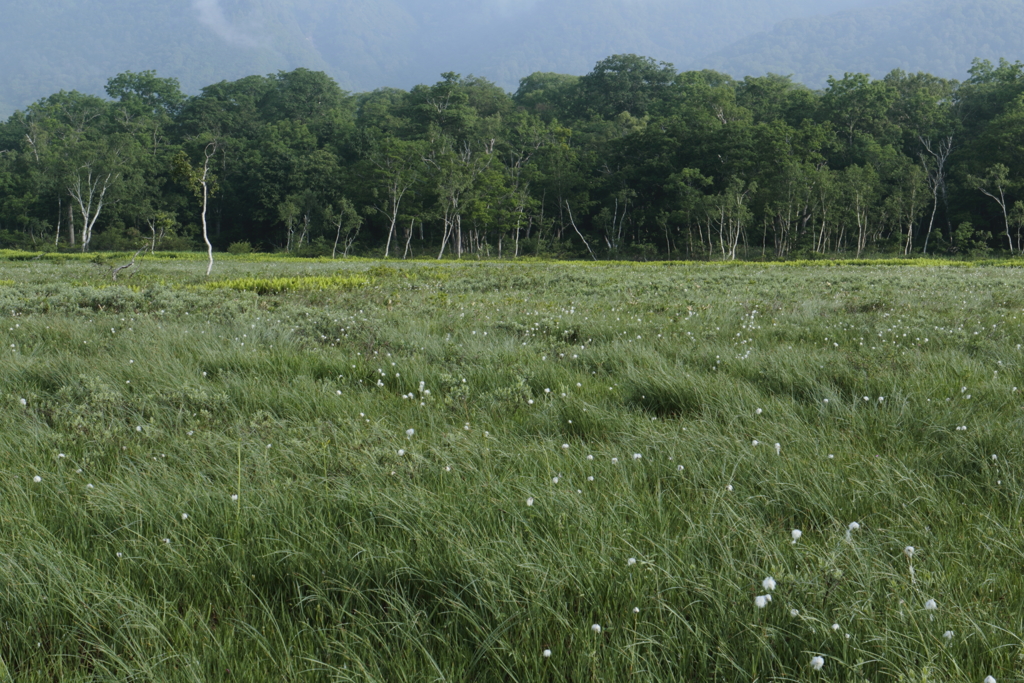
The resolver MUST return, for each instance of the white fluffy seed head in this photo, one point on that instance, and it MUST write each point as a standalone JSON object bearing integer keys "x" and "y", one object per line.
{"x": 596, "y": 628}
{"x": 817, "y": 663}
{"x": 761, "y": 601}
{"x": 909, "y": 551}
{"x": 930, "y": 605}
{"x": 768, "y": 584}
{"x": 529, "y": 502}
{"x": 796, "y": 534}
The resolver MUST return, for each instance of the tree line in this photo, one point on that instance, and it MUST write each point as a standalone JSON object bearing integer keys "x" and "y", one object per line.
{"x": 633, "y": 160}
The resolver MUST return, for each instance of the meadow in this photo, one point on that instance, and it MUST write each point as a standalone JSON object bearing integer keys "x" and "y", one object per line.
{"x": 488, "y": 471}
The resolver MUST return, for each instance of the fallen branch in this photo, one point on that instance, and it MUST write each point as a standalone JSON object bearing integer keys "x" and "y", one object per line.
{"x": 126, "y": 266}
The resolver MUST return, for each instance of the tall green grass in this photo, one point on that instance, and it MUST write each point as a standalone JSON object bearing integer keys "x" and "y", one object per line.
{"x": 357, "y": 552}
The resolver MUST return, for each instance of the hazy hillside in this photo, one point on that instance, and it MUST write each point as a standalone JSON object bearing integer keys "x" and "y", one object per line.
{"x": 78, "y": 44}
{"x": 937, "y": 37}
{"x": 50, "y": 45}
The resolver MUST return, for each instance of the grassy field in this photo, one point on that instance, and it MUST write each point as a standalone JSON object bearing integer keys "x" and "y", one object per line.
{"x": 316, "y": 471}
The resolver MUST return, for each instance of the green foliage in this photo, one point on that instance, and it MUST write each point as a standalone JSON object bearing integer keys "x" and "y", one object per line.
{"x": 969, "y": 241}
{"x": 280, "y": 285}
{"x": 237, "y": 248}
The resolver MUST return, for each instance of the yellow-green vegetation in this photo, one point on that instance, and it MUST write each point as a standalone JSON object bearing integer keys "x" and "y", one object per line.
{"x": 279, "y": 285}
{"x": 511, "y": 472}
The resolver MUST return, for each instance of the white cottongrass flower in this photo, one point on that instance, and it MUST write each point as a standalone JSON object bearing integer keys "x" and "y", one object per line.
{"x": 23, "y": 401}
{"x": 631, "y": 561}
{"x": 167, "y": 541}
{"x": 758, "y": 411}
{"x": 637, "y": 456}
{"x": 565, "y": 446}
{"x": 410, "y": 432}
{"x": 794, "y": 613}
{"x": 930, "y": 605}
{"x": 590, "y": 457}
{"x": 754, "y": 442}
{"x": 596, "y": 628}
{"x": 37, "y": 479}
{"x": 989, "y": 679}
{"x": 761, "y": 601}
{"x": 796, "y": 534}
{"x": 948, "y": 635}
{"x": 546, "y": 653}
{"x": 554, "y": 480}
{"x": 636, "y": 610}
{"x": 768, "y": 584}
{"x": 184, "y": 516}
{"x": 909, "y": 551}
{"x": 234, "y": 496}
{"x": 139, "y": 428}
{"x": 994, "y": 457}
{"x": 778, "y": 449}
{"x": 835, "y": 627}
{"x": 401, "y": 451}
{"x": 850, "y": 529}
{"x": 817, "y": 663}
{"x": 529, "y": 502}
{"x": 729, "y": 487}
{"x": 615, "y": 461}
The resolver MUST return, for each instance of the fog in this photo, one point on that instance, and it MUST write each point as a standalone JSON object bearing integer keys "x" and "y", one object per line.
{"x": 50, "y": 45}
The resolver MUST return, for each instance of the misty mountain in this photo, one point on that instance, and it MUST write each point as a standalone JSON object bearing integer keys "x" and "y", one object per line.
{"x": 49, "y": 45}
{"x": 941, "y": 38}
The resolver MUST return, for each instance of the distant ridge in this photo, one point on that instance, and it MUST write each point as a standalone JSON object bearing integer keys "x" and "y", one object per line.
{"x": 941, "y": 38}
{"x": 50, "y": 45}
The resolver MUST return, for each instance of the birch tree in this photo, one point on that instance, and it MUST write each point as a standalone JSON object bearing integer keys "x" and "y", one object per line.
{"x": 203, "y": 183}
{"x": 994, "y": 185}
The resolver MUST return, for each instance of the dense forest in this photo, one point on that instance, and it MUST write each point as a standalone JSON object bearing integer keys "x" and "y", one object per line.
{"x": 632, "y": 160}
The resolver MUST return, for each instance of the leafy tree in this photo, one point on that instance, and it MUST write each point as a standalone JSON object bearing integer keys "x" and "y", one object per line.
{"x": 624, "y": 83}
